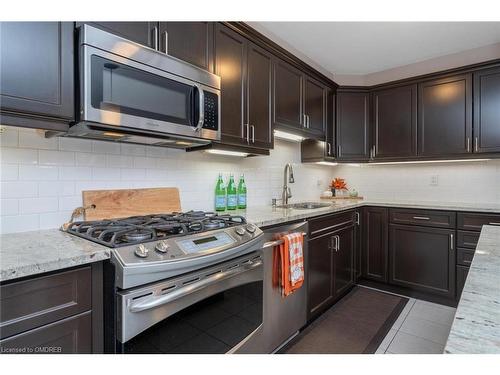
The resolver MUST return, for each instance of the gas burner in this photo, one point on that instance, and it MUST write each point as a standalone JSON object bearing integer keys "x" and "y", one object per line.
{"x": 140, "y": 229}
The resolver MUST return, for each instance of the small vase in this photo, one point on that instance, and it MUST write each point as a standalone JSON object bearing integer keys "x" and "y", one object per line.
{"x": 333, "y": 192}
{"x": 339, "y": 193}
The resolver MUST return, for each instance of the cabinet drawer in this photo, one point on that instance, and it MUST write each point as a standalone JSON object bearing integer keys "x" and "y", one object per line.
{"x": 464, "y": 256}
{"x": 70, "y": 336}
{"x": 427, "y": 218}
{"x": 326, "y": 224}
{"x": 467, "y": 239}
{"x": 25, "y": 305}
{"x": 475, "y": 222}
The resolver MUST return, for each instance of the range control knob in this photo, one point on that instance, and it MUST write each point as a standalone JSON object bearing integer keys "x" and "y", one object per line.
{"x": 162, "y": 247}
{"x": 141, "y": 251}
{"x": 240, "y": 231}
{"x": 251, "y": 228}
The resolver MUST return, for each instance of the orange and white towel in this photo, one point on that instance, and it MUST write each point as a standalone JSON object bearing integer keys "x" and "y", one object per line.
{"x": 289, "y": 263}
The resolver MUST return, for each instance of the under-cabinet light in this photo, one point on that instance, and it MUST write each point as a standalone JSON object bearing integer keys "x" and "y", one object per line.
{"x": 426, "y": 161}
{"x": 288, "y": 136}
{"x": 227, "y": 153}
{"x": 327, "y": 163}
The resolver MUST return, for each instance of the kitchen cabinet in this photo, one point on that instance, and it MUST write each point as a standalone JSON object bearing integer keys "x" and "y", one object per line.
{"x": 145, "y": 33}
{"x": 358, "y": 256}
{"x": 352, "y": 125}
{"x": 375, "y": 242}
{"x": 37, "y": 74}
{"x": 423, "y": 259}
{"x": 287, "y": 96}
{"x": 487, "y": 110}
{"x": 445, "y": 116}
{"x": 315, "y": 96}
{"x": 330, "y": 125}
{"x": 394, "y": 129}
{"x": 61, "y": 309}
{"x": 331, "y": 269}
{"x": 245, "y": 70}
{"x": 192, "y": 42}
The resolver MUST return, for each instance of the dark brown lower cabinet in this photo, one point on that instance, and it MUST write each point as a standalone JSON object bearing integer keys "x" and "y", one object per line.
{"x": 462, "y": 272}
{"x": 422, "y": 258}
{"x": 69, "y": 336}
{"x": 374, "y": 246}
{"x": 343, "y": 261}
{"x": 320, "y": 273}
{"x": 358, "y": 256}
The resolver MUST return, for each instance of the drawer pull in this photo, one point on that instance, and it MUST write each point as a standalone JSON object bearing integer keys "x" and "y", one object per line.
{"x": 494, "y": 223}
{"x": 421, "y": 218}
{"x": 451, "y": 241}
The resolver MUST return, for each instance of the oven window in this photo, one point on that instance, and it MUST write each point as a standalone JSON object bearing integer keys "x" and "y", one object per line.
{"x": 214, "y": 325}
{"x": 119, "y": 88}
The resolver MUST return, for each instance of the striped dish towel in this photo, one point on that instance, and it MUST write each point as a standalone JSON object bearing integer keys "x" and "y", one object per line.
{"x": 292, "y": 263}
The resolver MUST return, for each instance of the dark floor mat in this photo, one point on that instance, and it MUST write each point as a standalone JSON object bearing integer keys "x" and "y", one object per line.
{"x": 355, "y": 325}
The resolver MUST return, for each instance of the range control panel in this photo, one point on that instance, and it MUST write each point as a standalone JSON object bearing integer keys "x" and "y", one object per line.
{"x": 200, "y": 244}
{"x": 211, "y": 110}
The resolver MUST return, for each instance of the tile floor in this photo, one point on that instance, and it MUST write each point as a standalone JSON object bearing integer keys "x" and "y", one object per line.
{"x": 421, "y": 328}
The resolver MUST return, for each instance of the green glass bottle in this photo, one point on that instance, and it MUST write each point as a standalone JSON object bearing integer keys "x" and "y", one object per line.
{"x": 220, "y": 195}
{"x": 232, "y": 195}
{"x": 242, "y": 193}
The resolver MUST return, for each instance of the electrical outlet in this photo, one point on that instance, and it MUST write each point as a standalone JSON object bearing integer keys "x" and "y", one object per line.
{"x": 318, "y": 183}
{"x": 434, "y": 180}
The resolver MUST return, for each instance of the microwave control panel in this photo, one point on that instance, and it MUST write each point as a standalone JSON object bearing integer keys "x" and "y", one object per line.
{"x": 211, "y": 111}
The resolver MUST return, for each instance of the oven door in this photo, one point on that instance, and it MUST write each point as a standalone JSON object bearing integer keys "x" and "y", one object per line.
{"x": 136, "y": 97}
{"x": 218, "y": 310}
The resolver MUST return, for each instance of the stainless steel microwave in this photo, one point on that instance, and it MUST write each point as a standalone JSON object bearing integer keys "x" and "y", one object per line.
{"x": 132, "y": 93}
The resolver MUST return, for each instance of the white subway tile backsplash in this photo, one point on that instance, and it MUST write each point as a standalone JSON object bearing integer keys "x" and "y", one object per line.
{"x": 9, "y": 206}
{"x": 56, "y": 188}
{"x": 70, "y": 203}
{"x": 119, "y": 161}
{"x": 144, "y": 162}
{"x": 105, "y": 174}
{"x": 75, "y": 144}
{"x": 9, "y": 137}
{"x": 133, "y": 174}
{"x": 19, "y": 223}
{"x": 18, "y": 156}
{"x": 38, "y": 205}
{"x": 103, "y": 147}
{"x": 75, "y": 173}
{"x": 9, "y": 172}
{"x": 134, "y": 150}
{"x": 56, "y": 157}
{"x": 31, "y": 138}
{"x": 51, "y": 220}
{"x": 15, "y": 189}
{"x": 38, "y": 172}
{"x": 90, "y": 159}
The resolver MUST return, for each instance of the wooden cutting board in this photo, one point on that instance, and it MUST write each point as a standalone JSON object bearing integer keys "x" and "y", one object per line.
{"x": 111, "y": 204}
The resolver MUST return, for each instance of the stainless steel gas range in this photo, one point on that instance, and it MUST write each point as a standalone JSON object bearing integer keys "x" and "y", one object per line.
{"x": 183, "y": 282}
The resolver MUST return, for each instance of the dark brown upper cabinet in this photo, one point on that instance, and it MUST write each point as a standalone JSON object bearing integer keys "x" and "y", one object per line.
{"x": 330, "y": 125}
{"x": 445, "y": 116}
{"x": 192, "y": 42}
{"x": 287, "y": 95}
{"x": 315, "y": 96}
{"x": 145, "y": 33}
{"x": 245, "y": 70}
{"x": 37, "y": 72}
{"x": 353, "y": 127}
{"x": 487, "y": 110}
{"x": 394, "y": 131}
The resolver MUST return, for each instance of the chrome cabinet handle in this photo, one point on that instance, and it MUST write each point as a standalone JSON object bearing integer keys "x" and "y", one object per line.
{"x": 357, "y": 218}
{"x": 374, "y": 152}
{"x": 253, "y": 133}
{"x": 155, "y": 38}
{"x": 308, "y": 122}
{"x": 156, "y": 301}
{"x": 476, "y": 144}
{"x": 468, "y": 144}
{"x": 165, "y": 42}
{"x": 248, "y": 132}
{"x": 202, "y": 108}
{"x": 340, "y": 150}
{"x": 338, "y": 243}
{"x": 304, "y": 121}
{"x": 329, "y": 152}
{"x": 451, "y": 241}
{"x": 421, "y": 218}
{"x": 276, "y": 242}
{"x": 493, "y": 223}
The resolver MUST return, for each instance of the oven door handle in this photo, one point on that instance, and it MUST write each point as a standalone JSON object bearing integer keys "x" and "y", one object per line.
{"x": 201, "y": 119}
{"x": 156, "y": 301}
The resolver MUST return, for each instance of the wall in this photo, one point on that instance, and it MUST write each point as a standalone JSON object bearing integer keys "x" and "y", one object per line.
{"x": 42, "y": 179}
{"x": 465, "y": 182}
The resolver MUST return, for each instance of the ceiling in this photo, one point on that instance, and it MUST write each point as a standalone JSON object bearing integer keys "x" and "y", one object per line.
{"x": 368, "y": 47}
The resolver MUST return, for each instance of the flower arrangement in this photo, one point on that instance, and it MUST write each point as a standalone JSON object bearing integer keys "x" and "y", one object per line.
{"x": 338, "y": 185}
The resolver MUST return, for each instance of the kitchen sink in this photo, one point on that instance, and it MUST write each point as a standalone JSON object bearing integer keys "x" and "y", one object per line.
{"x": 305, "y": 205}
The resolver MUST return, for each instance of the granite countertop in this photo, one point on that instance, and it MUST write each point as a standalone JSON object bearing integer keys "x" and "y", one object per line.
{"x": 30, "y": 253}
{"x": 476, "y": 327}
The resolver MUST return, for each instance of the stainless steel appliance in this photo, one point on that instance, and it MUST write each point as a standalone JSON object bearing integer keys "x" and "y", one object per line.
{"x": 283, "y": 317}
{"x": 132, "y": 93}
{"x": 183, "y": 283}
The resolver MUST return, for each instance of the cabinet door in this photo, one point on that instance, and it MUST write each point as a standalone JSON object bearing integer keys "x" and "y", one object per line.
{"x": 287, "y": 95}
{"x": 320, "y": 273}
{"x": 343, "y": 261}
{"x": 395, "y": 122}
{"x": 259, "y": 70}
{"x": 189, "y": 41}
{"x": 230, "y": 65}
{"x": 352, "y": 126}
{"x": 315, "y": 106}
{"x": 422, "y": 258}
{"x": 139, "y": 32}
{"x": 445, "y": 116}
{"x": 358, "y": 258}
{"x": 374, "y": 250}
{"x": 487, "y": 110}
{"x": 330, "y": 125}
{"x": 36, "y": 68}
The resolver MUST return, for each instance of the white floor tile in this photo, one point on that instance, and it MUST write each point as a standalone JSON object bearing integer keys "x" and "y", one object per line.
{"x": 404, "y": 343}
{"x": 426, "y": 329}
{"x": 386, "y": 341}
{"x": 406, "y": 310}
{"x": 432, "y": 312}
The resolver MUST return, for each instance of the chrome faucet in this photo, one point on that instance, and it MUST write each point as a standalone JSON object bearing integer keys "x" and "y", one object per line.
{"x": 287, "y": 178}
